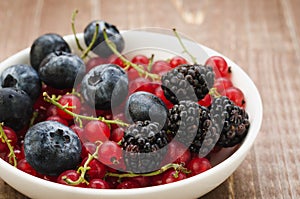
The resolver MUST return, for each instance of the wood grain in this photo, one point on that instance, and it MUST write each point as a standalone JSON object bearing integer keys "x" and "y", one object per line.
{"x": 262, "y": 36}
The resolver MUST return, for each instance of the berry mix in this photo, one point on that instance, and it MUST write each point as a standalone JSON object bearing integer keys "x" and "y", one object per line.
{"x": 101, "y": 120}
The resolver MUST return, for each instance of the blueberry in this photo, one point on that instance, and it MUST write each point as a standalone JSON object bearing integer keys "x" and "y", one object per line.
{"x": 44, "y": 45}
{"x": 105, "y": 86}
{"x": 15, "y": 108}
{"x": 62, "y": 70}
{"x": 24, "y": 77}
{"x": 142, "y": 106}
{"x": 51, "y": 148}
{"x": 100, "y": 47}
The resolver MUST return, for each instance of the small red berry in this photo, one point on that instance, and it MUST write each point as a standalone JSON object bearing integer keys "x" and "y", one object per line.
{"x": 95, "y": 61}
{"x": 116, "y": 60}
{"x": 140, "y": 59}
{"x": 235, "y": 95}
{"x": 73, "y": 103}
{"x": 206, "y": 101}
{"x": 160, "y": 67}
{"x": 128, "y": 184}
{"x": 173, "y": 176}
{"x": 137, "y": 83}
{"x": 117, "y": 134}
{"x": 96, "y": 131}
{"x": 97, "y": 169}
{"x": 23, "y": 165}
{"x": 198, "y": 165}
{"x": 219, "y": 65}
{"x": 58, "y": 119}
{"x": 98, "y": 184}
{"x": 88, "y": 148}
{"x": 72, "y": 175}
{"x": 110, "y": 153}
{"x": 222, "y": 83}
{"x": 176, "y": 61}
{"x": 11, "y": 136}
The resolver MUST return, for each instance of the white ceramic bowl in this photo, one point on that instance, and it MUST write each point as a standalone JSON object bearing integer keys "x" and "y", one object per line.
{"x": 226, "y": 161}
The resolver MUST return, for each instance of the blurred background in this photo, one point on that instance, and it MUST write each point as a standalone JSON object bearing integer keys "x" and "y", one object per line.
{"x": 262, "y": 36}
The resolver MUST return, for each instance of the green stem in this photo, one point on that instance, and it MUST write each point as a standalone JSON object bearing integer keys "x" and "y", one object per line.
{"x": 177, "y": 167}
{"x": 213, "y": 92}
{"x": 150, "y": 64}
{"x": 140, "y": 69}
{"x": 183, "y": 46}
{"x": 82, "y": 170}
{"x": 75, "y": 12}
{"x": 89, "y": 48}
{"x": 5, "y": 140}
{"x": 78, "y": 117}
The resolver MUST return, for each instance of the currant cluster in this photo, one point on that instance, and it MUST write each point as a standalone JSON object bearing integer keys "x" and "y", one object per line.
{"x": 103, "y": 120}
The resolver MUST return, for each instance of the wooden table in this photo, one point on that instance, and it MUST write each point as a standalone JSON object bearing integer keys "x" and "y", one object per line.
{"x": 262, "y": 36}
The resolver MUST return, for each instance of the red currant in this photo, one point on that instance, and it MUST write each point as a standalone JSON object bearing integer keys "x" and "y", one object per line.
{"x": 160, "y": 67}
{"x": 140, "y": 59}
{"x": 79, "y": 131}
{"x": 198, "y": 165}
{"x": 73, "y": 103}
{"x": 160, "y": 93}
{"x": 177, "y": 153}
{"x": 235, "y": 95}
{"x": 95, "y": 61}
{"x": 222, "y": 83}
{"x": 206, "y": 101}
{"x": 219, "y": 65}
{"x": 58, "y": 119}
{"x": 173, "y": 176}
{"x": 23, "y": 165}
{"x": 96, "y": 131}
{"x": 143, "y": 181}
{"x": 117, "y": 134}
{"x": 128, "y": 184}
{"x": 176, "y": 61}
{"x": 72, "y": 175}
{"x": 19, "y": 153}
{"x": 11, "y": 136}
{"x": 97, "y": 169}
{"x": 116, "y": 60}
{"x": 137, "y": 83}
{"x": 110, "y": 153}
{"x": 88, "y": 148}
{"x": 98, "y": 184}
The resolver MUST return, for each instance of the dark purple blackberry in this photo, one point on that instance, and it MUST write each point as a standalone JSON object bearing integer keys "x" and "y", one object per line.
{"x": 144, "y": 145}
{"x": 232, "y": 119}
{"x": 190, "y": 124}
{"x": 187, "y": 82}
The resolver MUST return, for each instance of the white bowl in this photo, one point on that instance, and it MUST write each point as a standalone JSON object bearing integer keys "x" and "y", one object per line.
{"x": 226, "y": 161}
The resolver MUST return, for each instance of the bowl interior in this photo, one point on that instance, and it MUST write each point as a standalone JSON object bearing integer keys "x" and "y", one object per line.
{"x": 226, "y": 161}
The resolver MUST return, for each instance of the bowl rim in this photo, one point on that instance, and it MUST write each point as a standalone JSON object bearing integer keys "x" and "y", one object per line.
{"x": 239, "y": 153}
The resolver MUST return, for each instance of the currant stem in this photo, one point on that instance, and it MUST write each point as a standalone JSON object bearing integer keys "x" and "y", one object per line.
{"x": 128, "y": 64}
{"x": 74, "y": 14}
{"x": 78, "y": 117}
{"x": 5, "y": 140}
{"x": 82, "y": 170}
{"x": 213, "y": 92}
{"x": 150, "y": 64}
{"x": 184, "y": 48}
{"x": 177, "y": 167}
{"x": 89, "y": 48}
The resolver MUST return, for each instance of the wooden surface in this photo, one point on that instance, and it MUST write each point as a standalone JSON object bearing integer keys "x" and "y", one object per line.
{"x": 262, "y": 36}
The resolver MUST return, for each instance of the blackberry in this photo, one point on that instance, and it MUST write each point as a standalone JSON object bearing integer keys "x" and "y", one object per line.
{"x": 191, "y": 124}
{"x": 233, "y": 120}
{"x": 144, "y": 146}
{"x": 187, "y": 82}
